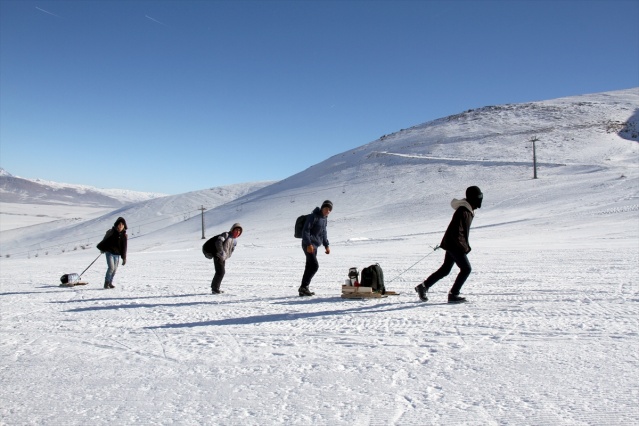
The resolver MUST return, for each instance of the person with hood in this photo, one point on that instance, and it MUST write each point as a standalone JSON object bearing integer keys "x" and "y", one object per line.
{"x": 313, "y": 235}
{"x": 455, "y": 242}
{"x": 221, "y": 247}
{"x": 114, "y": 244}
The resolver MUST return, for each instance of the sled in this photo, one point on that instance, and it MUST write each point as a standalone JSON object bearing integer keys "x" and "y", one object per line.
{"x": 363, "y": 296}
{"x": 351, "y": 292}
{"x": 73, "y": 284}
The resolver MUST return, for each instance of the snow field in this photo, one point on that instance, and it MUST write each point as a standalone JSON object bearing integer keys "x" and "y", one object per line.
{"x": 550, "y": 336}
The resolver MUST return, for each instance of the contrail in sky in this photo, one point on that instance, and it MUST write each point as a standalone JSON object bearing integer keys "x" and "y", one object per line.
{"x": 154, "y": 20}
{"x": 46, "y": 11}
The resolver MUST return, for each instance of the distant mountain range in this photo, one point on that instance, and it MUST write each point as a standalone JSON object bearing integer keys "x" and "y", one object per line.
{"x": 14, "y": 189}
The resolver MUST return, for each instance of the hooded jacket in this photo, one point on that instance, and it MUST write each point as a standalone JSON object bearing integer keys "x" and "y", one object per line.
{"x": 225, "y": 243}
{"x": 314, "y": 231}
{"x": 456, "y": 235}
{"x": 114, "y": 242}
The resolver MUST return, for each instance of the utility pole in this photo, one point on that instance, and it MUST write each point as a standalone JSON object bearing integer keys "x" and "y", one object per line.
{"x": 202, "y": 208}
{"x": 533, "y": 140}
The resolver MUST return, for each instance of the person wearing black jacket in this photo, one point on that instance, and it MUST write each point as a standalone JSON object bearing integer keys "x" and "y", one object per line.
{"x": 455, "y": 242}
{"x": 114, "y": 244}
{"x": 314, "y": 235}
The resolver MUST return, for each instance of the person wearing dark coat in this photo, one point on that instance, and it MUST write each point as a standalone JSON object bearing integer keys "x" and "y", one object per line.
{"x": 313, "y": 235}
{"x": 455, "y": 242}
{"x": 114, "y": 245}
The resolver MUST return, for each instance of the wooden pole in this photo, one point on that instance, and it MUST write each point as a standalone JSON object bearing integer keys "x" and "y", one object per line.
{"x": 533, "y": 140}
{"x": 202, "y": 208}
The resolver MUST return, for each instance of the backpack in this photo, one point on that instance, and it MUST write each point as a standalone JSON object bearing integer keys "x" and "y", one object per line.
{"x": 208, "y": 248}
{"x": 373, "y": 276}
{"x": 299, "y": 225}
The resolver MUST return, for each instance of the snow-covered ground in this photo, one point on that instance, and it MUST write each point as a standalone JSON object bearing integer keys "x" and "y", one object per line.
{"x": 550, "y": 336}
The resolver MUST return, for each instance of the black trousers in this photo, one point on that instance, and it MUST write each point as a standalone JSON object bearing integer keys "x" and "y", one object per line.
{"x": 451, "y": 258}
{"x": 220, "y": 270}
{"x": 312, "y": 266}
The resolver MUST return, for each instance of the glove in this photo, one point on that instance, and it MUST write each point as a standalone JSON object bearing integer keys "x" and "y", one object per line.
{"x": 123, "y": 262}
{"x": 328, "y": 250}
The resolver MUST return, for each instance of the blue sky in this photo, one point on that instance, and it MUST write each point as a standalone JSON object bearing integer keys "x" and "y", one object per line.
{"x": 176, "y": 96}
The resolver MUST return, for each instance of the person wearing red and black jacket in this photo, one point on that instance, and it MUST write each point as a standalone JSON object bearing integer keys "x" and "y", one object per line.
{"x": 114, "y": 245}
{"x": 455, "y": 242}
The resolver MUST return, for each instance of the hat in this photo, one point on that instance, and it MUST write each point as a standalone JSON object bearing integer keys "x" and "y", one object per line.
{"x": 328, "y": 204}
{"x": 237, "y": 225}
{"x": 122, "y": 221}
{"x": 474, "y": 196}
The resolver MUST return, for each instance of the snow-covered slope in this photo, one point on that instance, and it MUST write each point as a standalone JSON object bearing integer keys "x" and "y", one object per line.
{"x": 400, "y": 185}
{"x": 143, "y": 218}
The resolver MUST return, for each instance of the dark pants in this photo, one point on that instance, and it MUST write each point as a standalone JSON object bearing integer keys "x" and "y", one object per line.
{"x": 219, "y": 273}
{"x": 312, "y": 265}
{"x": 451, "y": 258}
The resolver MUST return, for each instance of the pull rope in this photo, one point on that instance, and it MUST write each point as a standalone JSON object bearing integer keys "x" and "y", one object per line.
{"x": 410, "y": 267}
{"x": 91, "y": 263}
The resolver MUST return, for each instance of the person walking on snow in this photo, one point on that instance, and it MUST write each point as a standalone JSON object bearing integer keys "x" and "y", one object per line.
{"x": 223, "y": 247}
{"x": 314, "y": 235}
{"x": 455, "y": 242}
{"x": 114, "y": 244}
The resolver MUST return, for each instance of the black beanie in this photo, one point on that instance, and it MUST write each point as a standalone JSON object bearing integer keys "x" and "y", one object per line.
{"x": 474, "y": 196}
{"x": 328, "y": 204}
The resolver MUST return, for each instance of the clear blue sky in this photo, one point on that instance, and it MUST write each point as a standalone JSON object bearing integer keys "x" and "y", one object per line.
{"x": 175, "y": 96}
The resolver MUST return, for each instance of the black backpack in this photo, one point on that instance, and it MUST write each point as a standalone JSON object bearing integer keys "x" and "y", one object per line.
{"x": 299, "y": 225}
{"x": 373, "y": 276}
{"x": 208, "y": 248}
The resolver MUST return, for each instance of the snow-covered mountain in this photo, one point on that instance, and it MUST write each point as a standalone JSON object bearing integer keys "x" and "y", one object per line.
{"x": 14, "y": 189}
{"x": 401, "y": 184}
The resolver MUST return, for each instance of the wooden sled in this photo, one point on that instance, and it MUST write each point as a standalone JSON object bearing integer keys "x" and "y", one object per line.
{"x": 74, "y": 284}
{"x": 351, "y": 292}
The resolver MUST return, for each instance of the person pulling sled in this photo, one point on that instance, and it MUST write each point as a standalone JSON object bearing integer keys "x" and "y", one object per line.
{"x": 455, "y": 243}
{"x": 114, "y": 245}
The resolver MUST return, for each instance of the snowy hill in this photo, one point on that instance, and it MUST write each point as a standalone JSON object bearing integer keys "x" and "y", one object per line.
{"x": 14, "y": 189}
{"x": 549, "y": 336}
{"x": 401, "y": 184}
{"x": 143, "y": 218}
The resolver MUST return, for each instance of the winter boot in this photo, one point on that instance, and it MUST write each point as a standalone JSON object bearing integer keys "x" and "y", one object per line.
{"x": 455, "y": 298}
{"x": 421, "y": 291}
{"x": 214, "y": 291}
{"x": 304, "y": 291}
{"x": 107, "y": 284}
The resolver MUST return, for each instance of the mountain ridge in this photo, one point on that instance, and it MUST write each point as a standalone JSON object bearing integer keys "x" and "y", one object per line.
{"x": 400, "y": 185}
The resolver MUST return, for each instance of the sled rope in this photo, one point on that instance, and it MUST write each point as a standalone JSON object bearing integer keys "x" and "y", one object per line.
{"x": 411, "y": 266}
{"x": 91, "y": 264}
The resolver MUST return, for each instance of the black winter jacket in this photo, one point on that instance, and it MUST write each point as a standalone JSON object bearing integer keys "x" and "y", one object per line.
{"x": 114, "y": 242}
{"x": 456, "y": 235}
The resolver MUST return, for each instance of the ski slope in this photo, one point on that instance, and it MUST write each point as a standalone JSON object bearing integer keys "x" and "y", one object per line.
{"x": 550, "y": 335}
